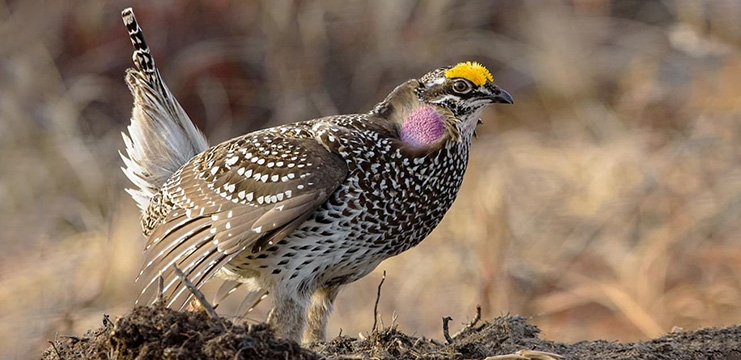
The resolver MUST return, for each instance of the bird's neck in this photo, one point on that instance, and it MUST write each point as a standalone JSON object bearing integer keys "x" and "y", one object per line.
{"x": 422, "y": 126}
{"x": 419, "y": 125}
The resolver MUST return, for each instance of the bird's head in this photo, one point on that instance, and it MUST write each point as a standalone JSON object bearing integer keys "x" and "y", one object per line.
{"x": 447, "y": 100}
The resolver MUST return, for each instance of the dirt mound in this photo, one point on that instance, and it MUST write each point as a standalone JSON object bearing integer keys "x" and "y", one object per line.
{"x": 159, "y": 333}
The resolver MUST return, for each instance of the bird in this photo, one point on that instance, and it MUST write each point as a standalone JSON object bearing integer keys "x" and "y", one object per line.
{"x": 298, "y": 210}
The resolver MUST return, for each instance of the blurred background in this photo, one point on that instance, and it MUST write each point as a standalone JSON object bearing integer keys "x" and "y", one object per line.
{"x": 606, "y": 203}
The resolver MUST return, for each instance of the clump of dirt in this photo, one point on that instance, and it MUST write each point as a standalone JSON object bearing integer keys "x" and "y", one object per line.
{"x": 509, "y": 334}
{"x": 158, "y": 333}
{"x": 155, "y": 332}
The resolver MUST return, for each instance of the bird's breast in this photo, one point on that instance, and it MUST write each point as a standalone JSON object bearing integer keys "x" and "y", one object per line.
{"x": 404, "y": 197}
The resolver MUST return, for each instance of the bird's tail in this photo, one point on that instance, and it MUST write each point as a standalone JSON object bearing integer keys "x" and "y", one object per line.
{"x": 161, "y": 137}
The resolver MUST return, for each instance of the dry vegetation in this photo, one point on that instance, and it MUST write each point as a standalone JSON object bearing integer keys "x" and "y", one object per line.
{"x": 605, "y": 204}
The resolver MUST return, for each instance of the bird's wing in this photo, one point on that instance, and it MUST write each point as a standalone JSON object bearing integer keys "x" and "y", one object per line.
{"x": 242, "y": 195}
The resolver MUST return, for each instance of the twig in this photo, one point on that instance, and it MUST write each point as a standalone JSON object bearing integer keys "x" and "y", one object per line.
{"x": 527, "y": 355}
{"x": 198, "y": 294}
{"x": 475, "y": 318}
{"x": 378, "y": 297}
{"x": 56, "y": 351}
{"x": 160, "y": 290}
{"x": 107, "y": 320}
{"x": 472, "y": 323}
{"x": 446, "y": 329}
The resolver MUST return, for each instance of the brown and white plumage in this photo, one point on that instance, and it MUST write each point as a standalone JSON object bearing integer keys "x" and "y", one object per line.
{"x": 235, "y": 197}
{"x": 302, "y": 209}
{"x": 161, "y": 137}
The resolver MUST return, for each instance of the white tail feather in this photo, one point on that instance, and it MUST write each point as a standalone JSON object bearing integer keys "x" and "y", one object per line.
{"x": 161, "y": 137}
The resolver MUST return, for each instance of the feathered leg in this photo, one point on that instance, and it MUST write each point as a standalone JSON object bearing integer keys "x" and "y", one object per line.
{"x": 288, "y": 317}
{"x": 322, "y": 304}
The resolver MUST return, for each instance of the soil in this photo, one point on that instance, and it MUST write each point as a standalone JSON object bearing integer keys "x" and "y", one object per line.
{"x": 155, "y": 332}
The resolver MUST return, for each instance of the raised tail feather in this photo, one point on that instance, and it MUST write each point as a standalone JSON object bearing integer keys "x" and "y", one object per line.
{"x": 161, "y": 137}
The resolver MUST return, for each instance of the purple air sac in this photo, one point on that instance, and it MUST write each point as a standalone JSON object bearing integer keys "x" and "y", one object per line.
{"x": 423, "y": 126}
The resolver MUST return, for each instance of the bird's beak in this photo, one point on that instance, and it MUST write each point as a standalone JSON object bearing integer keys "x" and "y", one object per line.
{"x": 504, "y": 97}
{"x": 498, "y": 95}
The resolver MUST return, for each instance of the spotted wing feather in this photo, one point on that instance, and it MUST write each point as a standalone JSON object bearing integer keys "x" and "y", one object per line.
{"x": 245, "y": 193}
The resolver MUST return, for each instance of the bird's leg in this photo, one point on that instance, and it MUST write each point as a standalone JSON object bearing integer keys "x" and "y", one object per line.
{"x": 288, "y": 317}
{"x": 320, "y": 308}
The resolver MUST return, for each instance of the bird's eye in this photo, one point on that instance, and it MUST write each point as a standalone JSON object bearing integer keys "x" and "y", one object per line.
{"x": 461, "y": 86}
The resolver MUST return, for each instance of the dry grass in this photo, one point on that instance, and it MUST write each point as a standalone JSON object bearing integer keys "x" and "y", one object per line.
{"x": 606, "y": 203}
